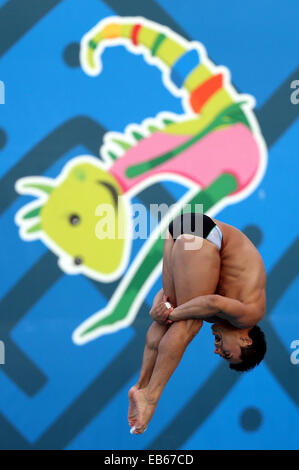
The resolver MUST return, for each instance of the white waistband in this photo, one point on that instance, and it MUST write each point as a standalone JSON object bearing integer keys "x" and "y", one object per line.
{"x": 215, "y": 236}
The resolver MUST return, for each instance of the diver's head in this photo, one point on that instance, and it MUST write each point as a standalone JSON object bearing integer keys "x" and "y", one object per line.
{"x": 242, "y": 348}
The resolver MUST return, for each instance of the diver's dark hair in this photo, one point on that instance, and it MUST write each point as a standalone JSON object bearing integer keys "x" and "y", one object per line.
{"x": 252, "y": 355}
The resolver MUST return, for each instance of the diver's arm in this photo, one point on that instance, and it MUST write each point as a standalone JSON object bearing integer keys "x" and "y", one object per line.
{"x": 198, "y": 307}
{"x": 206, "y": 306}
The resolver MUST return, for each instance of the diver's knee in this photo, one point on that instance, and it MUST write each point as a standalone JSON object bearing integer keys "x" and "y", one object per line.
{"x": 188, "y": 329}
{"x": 153, "y": 337}
{"x": 194, "y": 328}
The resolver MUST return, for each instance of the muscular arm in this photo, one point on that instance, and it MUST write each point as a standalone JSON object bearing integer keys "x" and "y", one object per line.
{"x": 207, "y": 306}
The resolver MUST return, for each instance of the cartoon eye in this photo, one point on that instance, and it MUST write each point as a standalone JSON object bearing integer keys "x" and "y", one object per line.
{"x": 78, "y": 260}
{"x": 74, "y": 219}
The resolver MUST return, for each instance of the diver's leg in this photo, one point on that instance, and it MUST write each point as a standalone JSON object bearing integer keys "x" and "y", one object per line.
{"x": 170, "y": 351}
{"x": 195, "y": 272}
{"x": 155, "y": 332}
{"x": 153, "y": 338}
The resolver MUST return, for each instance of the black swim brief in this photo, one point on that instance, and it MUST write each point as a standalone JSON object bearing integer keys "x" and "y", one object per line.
{"x": 197, "y": 224}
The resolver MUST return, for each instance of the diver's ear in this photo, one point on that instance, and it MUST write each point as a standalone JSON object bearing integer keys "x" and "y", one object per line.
{"x": 246, "y": 341}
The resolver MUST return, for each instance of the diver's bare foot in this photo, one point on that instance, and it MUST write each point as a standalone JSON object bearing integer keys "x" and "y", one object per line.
{"x": 145, "y": 409}
{"x": 132, "y": 413}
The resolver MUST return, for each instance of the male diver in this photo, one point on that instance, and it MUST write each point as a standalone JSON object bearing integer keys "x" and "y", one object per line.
{"x": 211, "y": 272}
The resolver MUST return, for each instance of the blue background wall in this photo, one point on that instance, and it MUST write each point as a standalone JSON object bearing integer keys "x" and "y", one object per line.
{"x": 55, "y": 394}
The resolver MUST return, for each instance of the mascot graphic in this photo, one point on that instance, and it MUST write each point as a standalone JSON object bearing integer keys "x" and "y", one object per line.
{"x": 215, "y": 149}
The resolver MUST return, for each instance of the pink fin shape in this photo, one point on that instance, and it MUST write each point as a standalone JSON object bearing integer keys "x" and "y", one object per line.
{"x": 231, "y": 150}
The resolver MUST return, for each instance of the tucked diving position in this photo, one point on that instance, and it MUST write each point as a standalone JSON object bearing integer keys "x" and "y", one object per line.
{"x": 211, "y": 272}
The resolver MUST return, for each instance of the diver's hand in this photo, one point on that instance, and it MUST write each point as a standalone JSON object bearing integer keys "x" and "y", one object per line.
{"x": 161, "y": 311}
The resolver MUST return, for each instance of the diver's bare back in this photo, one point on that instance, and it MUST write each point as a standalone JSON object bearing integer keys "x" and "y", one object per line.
{"x": 242, "y": 274}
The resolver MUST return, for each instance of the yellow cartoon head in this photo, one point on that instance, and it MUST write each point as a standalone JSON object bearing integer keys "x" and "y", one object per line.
{"x": 80, "y": 215}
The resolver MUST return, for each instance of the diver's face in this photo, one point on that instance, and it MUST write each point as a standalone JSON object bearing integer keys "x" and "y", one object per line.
{"x": 228, "y": 341}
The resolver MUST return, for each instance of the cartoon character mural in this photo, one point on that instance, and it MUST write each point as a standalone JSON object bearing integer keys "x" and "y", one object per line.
{"x": 215, "y": 148}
